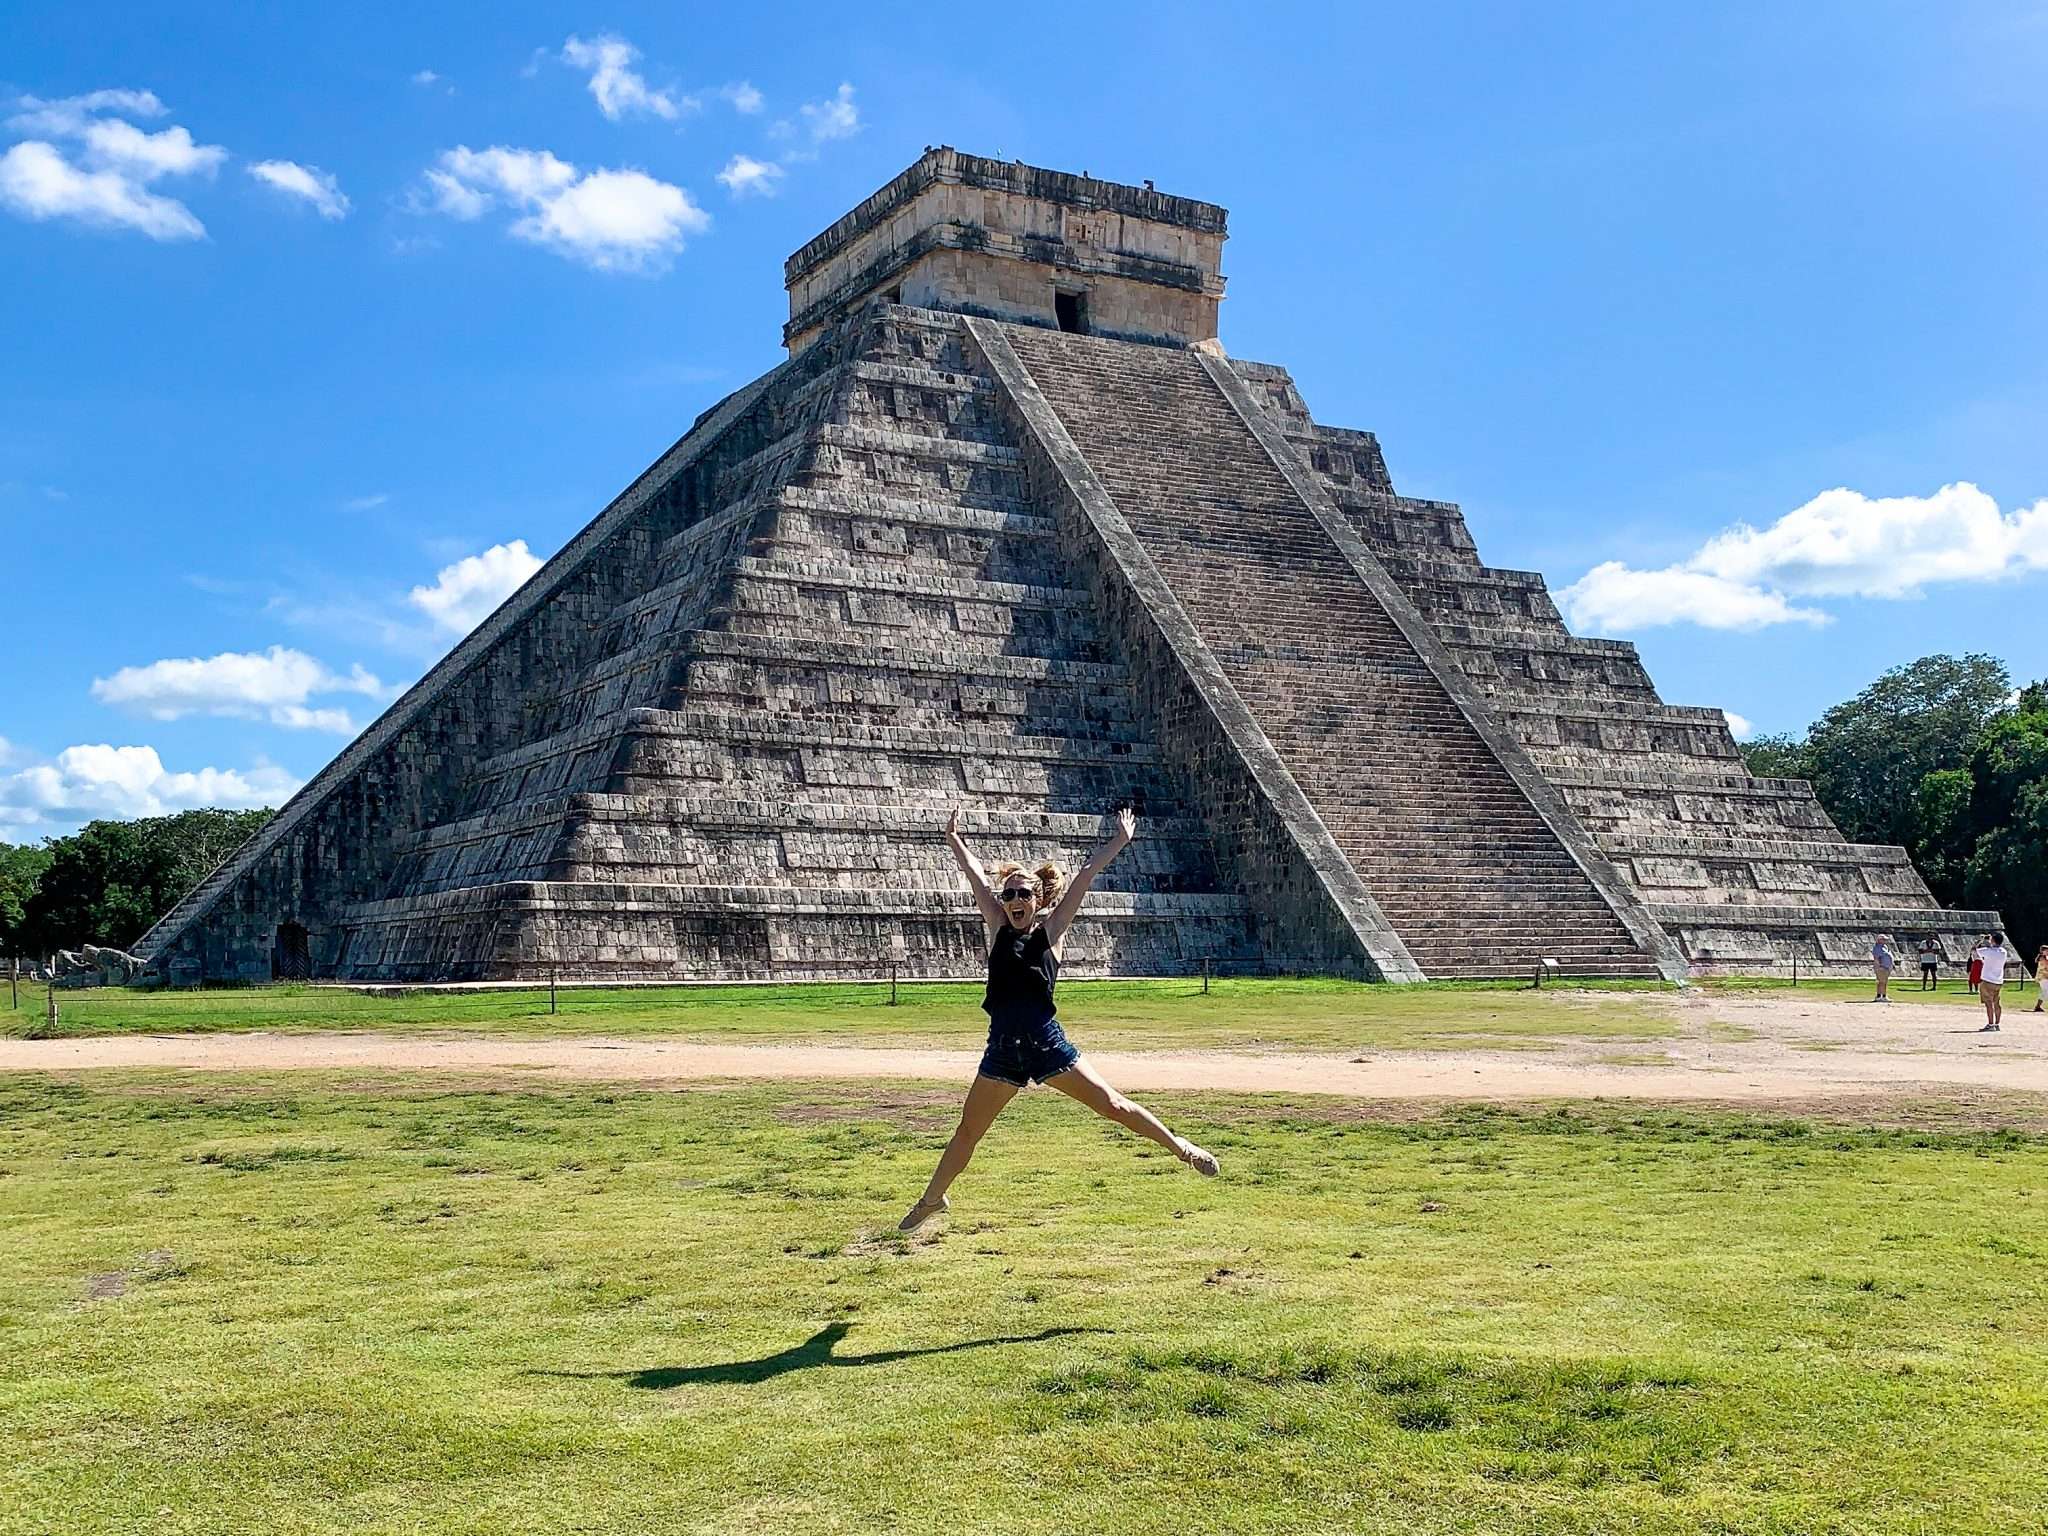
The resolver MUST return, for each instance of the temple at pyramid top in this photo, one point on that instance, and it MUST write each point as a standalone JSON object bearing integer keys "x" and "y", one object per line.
{"x": 1011, "y": 241}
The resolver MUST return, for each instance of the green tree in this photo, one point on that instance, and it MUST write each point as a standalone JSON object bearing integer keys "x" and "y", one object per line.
{"x": 1944, "y": 831}
{"x": 1777, "y": 757}
{"x": 21, "y": 870}
{"x": 111, "y": 880}
{"x": 1870, "y": 754}
{"x": 2008, "y": 814}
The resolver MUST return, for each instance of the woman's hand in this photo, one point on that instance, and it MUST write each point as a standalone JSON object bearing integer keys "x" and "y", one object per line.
{"x": 953, "y": 823}
{"x": 1126, "y": 825}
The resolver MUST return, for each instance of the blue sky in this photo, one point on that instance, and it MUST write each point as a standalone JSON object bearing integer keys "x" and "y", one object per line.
{"x": 300, "y": 373}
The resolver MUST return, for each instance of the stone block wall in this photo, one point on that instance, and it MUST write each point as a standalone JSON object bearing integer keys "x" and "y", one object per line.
{"x": 996, "y": 238}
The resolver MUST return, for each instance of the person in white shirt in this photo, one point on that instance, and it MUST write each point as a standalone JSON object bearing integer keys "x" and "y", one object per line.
{"x": 1992, "y": 957}
{"x": 1882, "y": 960}
{"x": 1930, "y": 964}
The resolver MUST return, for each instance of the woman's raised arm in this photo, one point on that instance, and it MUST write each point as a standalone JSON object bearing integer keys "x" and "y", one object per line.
{"x": 977, "y": 880}
{"x": 1062, "y": 915}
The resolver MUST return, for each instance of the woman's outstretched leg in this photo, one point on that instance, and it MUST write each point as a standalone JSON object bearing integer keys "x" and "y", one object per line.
{"x": 1082, "y": 1083}
{"x": 985, "y": 1100}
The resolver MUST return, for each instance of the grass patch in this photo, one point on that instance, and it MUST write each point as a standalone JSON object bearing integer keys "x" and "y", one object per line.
{"x": 1237, "y": 1013}
{"x": 398, "y": 1309}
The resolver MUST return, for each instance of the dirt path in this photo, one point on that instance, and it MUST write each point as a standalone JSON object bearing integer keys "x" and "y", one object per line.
{"x": 1803, "y": 1049}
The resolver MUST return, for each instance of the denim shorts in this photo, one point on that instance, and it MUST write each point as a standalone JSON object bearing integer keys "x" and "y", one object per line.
{"x": 1023, "y": 1053}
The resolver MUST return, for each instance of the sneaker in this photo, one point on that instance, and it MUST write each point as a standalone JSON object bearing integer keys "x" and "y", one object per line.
{"x": 1988, "y": 1029}
{"x": 1202, "y": 1161}
{"x": 923, "y": 1212}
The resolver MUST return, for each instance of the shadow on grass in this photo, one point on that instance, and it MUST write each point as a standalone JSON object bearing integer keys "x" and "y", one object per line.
{"x": 813, "y": 1352}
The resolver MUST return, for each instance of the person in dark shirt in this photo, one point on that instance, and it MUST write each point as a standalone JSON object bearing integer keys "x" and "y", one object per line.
{"x": 1028, "y": 914}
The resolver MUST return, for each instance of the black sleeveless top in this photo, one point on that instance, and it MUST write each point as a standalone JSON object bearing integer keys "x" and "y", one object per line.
{"x": 1021, "y": 972}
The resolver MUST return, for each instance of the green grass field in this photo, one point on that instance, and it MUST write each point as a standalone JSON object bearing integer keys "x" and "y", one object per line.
{"x": 1236, "y": 1013}
{"x": 292, "y": 1306}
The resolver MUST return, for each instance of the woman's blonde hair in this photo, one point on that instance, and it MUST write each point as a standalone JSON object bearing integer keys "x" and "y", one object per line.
{"x": 1049, "y": 877}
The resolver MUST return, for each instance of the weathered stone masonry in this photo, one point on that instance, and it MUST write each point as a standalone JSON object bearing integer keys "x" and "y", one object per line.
{"x": 936, "y": 561}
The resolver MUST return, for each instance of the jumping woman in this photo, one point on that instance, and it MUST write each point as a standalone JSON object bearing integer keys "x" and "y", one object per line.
{"x": 1028, "y": 916}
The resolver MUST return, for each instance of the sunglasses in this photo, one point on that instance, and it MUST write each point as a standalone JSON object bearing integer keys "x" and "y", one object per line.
{"x": 1018, "y": 893}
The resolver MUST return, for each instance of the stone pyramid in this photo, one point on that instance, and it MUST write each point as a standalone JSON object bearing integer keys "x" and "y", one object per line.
{"x": 1008, "y": 532}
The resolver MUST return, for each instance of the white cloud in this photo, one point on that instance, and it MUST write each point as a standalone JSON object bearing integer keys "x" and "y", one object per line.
{"x": 1739, "y": 726}
{"x": 67, "y": 118}
{"x": 744, "y": 175}
{"x": 1845, "y": 544}
{"x": 619, "y": 89}
{"x": 102, "y": 780}
{"x": 249, "y": 685}
{"x": 39, "y": 183}
{"x": 1840, "y": 544}
{"x": 466, "y": 593}
{"x": 613, "y": 220}
{"x": 424, "y": 77}
{"x": 457, "y": 200}
{"x": 743, "y": 97}
{"x": 107, "y": 185}
{"x": 365, "y": 503}
{"x": 306, "y": 182}
{"x": 1613, "y": 599}
{"x": 125, "y": 148}
{"x": 836, "y": 117}
{"x": 524, "y": 175}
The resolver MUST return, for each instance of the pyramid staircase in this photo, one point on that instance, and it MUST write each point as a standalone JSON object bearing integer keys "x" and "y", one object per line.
{"x": 1470, "y": 874}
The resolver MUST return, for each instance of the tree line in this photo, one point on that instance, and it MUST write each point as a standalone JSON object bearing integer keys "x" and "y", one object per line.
{"x": 110, "y": 880}
{"x": 1943, "y": 756}
{"x": 1947, "y": 759}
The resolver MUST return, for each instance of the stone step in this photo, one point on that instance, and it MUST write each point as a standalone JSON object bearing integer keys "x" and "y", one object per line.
{"x": 924, "y": 447}
{"x": 792, "y": 812}
{"x": 906, "y": 581}
{"x": 1009, "y": 518}
{"x": 865, "y": 653}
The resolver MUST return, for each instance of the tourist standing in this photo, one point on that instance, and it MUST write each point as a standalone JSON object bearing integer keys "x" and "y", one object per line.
{"x": 1930, "y": 964}
{"x": 2040, "y": 965}
{"x": 1882, "y": 961}
{"x": 1991, "y": 958}
{"x": 1976, "y": 961}
{"x": 1027, "y": 915}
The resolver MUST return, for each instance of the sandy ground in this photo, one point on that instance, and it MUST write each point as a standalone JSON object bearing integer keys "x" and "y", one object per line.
{"x": 1805, "y": 1049}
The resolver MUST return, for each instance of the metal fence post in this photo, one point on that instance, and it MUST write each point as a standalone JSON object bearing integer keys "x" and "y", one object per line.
{"x": 1205, "y": 975}
{"x": 53, "y": 1007}
{"x": 552, "y": 971}
{"x": 892, "y": 983}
